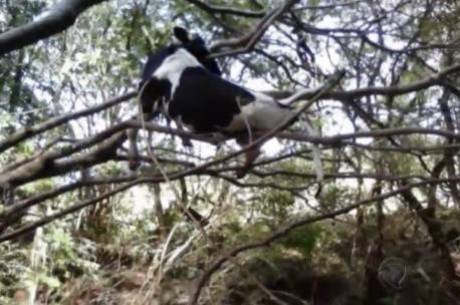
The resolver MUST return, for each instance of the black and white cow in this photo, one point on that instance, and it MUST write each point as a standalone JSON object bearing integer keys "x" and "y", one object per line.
{"x": 181, "y": 82}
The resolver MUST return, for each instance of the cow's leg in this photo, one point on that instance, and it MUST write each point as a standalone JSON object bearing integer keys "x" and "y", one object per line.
{"x": 132, "y": 134}
{"x": 151, "y": 92}
{"x": 250, "y": 155}
{"x": 133, "y": 151}
{"x": 185, "y": 139}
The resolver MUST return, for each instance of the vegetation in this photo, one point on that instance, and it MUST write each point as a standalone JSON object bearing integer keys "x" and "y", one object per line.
{"x": 382, "y": 227}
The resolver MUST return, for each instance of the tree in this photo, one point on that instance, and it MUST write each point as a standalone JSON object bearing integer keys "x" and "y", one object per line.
{"x": 388, "y": 132}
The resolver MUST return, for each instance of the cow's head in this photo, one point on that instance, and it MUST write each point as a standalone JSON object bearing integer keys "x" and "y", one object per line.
{"x": 192, "y": 48}
{"x": 196, "y": 46}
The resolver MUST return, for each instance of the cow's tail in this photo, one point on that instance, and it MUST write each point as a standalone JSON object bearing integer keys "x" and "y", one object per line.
{"x": 299, "y": 95}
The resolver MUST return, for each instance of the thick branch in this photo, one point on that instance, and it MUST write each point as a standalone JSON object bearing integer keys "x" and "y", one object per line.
{"x": 59, "y": 18}
{"x": 46, "y": 166}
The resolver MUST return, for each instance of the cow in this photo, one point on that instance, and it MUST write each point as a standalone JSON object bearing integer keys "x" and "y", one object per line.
{"x": 197, "y": 47}
{"x": 183, "y": 83}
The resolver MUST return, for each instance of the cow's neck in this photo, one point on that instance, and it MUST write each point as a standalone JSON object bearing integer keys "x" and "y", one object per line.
{"x": 173, "y": 67}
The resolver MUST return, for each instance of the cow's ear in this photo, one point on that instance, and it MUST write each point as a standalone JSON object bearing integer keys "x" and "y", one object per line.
{"x": 181, "y": 34}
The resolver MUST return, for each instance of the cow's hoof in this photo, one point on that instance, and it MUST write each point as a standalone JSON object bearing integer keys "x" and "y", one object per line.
{"x": 241, "y": 173}
{"x": 187, "y": 143}
{"x": 133, "y": 165}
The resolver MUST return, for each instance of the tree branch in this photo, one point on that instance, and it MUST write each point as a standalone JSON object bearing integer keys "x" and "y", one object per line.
{"x": 32, "y": 226}
{"x": 214, "y": 9}
{"x": 248, "y": 41}
{"x": 28, "y": 132}
{"x": 435, "y": 79}
{"x": 56, "y": 20}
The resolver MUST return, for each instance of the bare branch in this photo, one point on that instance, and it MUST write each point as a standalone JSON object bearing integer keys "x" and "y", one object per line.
{"x": 248, "y": 41}
{"x": 435, "y": 79}
{"x": 28, "y": 132}
{"x": 434, "y": 228}
{"x": 32, "y": 226}
{"x": 214, "y": 9}
{"x": 283, "y": 231}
